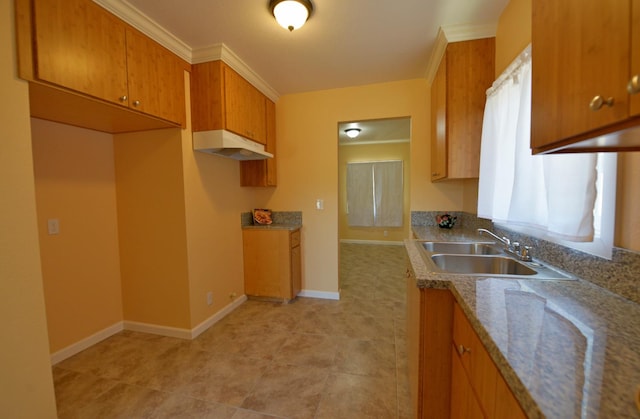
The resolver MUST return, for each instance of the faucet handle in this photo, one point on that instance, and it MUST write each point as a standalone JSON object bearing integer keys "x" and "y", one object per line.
{"x": 526, "y": 253}
{"x": 515, "y": 246}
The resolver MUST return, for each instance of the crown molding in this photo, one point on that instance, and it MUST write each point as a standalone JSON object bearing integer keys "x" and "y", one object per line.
{"x": 222, "y": 52}
{"x": 134, "y": 17}
{"x": 455, "y": 33}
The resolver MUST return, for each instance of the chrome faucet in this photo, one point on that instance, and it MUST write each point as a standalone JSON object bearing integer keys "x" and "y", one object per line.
{"x": 502, "y": 240}
{"x": 521, "y": 252}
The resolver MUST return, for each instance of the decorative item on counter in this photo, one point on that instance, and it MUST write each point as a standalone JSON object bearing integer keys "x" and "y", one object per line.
{"x": 446, "y": 220}
{"x": 262, "y": 216}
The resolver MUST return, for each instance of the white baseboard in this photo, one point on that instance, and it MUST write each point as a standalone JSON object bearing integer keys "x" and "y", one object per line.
{"x": 174, "y": 332}
{"x": 196, "y": 331}
{"x": 383, "y": 242}
{"x": 325, "y": 295}
{"x": 85, "y": 343}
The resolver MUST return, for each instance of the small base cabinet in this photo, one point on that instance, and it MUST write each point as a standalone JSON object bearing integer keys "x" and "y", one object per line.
{"x": 272, "y": 263}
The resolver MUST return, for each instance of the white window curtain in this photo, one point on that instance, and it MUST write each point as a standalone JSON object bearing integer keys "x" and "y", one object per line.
{"x": 554, "y": 193}
{"x": 375, "y": 194}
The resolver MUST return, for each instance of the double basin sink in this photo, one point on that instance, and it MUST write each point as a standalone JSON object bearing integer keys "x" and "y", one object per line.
{"x": 483, "y": 259}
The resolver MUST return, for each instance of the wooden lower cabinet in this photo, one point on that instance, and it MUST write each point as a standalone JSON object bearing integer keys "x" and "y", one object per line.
{"x": 272, "y": 263}
{"x": 477, "y": 388}
{"x": 429, "y": 317}
{"x": 451, "y": 373}
{"x": 464, "y": 403}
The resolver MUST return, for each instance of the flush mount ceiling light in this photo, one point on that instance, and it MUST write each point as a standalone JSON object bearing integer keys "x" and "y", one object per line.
{"x": 352, "y": 132}
{"x": 291, "y": 14}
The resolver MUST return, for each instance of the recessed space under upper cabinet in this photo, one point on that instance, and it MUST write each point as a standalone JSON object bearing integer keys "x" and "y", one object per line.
{"x": 458, "y": 97}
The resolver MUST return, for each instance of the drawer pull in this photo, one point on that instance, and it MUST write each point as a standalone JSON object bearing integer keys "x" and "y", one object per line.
{"x": 634, "y": 85}
{"x": 598, "y": 101}
{"x": 463, "y": 349}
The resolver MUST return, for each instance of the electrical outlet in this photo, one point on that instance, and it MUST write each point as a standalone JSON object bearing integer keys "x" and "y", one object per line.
{"x": 209, "y": 298}
{"x": 385, "y": 233}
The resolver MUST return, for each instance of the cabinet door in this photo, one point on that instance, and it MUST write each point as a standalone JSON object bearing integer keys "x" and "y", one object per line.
{"x": 267, "y": 263}
{"x": 262, "y": 172}
{"x": 635, "y": 54}
{"x": 463, "y": 402}
{"x": 580, "y": 50}
{"x": 507, "y": 407}
{"x": 475, "y": 360}
{"x": 439, "y": 123}
{"x": 296, "y": 271}
{"x": 470, "y": 72}
{"x": 80, "y": 46}
{"x": 245, "y": 107}
{"x": 155, "y": 77}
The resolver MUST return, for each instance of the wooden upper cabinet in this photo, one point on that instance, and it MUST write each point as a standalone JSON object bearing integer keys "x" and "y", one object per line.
{"x": 635, "y": 57}
{"x": 439, "y": 123}
{"x": 262, "y": 172}
{"x": 245, "y": 107}
{"x": 585, "y": 53}
{"x": 155, "y": 78}
{"x": 458, "y": 98}
{"x": 82, "y": 58}
{"x": 80, "y": 46}
{"x": 222, "y": 99}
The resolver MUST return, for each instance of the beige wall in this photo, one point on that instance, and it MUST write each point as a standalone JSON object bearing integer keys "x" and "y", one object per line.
{"x": 151, "y": 225}
{"x": 513, "y": 34}
{"x": 75, "y": 183}
{"x": 26, "y": 386}
{"x": 373, "y": 152}
{"x": 213, "y": 201}
{"x": 308, "y": 163}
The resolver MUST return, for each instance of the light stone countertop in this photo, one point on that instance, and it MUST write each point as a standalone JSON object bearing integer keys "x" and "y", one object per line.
{"x": 290, "y": 227}
{"x": 567, "y": 348}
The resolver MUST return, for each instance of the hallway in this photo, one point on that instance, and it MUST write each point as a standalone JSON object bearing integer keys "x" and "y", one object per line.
{"x": 308, "y": 359}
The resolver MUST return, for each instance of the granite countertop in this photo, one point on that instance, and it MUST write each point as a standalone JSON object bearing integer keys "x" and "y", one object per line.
{"x": 290, "y": 227}
{"x": 567, "y": 348}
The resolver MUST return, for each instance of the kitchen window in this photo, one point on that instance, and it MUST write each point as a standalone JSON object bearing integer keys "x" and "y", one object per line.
{"x": 567, "y": 198}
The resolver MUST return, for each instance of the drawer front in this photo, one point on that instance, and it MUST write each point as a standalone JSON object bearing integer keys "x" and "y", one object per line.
{"x": 295, "y": 238}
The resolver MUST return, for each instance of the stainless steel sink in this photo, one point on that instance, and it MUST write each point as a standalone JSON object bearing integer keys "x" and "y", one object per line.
{"x": 461, "y": 248}
{"x": 483, "y": 259}
{"x": 474, "y": 264}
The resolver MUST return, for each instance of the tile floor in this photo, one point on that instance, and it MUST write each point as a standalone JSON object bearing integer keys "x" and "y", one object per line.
{"x": 308, "y": 359}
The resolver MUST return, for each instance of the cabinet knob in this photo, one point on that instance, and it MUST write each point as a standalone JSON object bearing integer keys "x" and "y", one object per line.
{"x": 463, "y": 349}
{"x": 408, "y": 273}
{"x": 136, "y": 103}
{"x": 598, "y": 101}
{"x": 123, "y": 98}
{"x": 634, "y": 85}
{"x": 435, "y": 174}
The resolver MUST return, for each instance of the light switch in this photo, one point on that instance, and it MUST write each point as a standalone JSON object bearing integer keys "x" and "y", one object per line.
{"x": 319, "y": 204}
{"x": 53, "y": 226}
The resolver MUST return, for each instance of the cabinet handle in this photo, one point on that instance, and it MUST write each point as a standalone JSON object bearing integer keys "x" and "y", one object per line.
{"x": 136, "y": 103}
{"x": 408, "y": 273}
{"x": 462, "y": 350}
{"x": 598, "y": 101}
{"x": 634, "y": 85}
{"x": 435, "y": 174}
{"x": 123, "y": 98}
